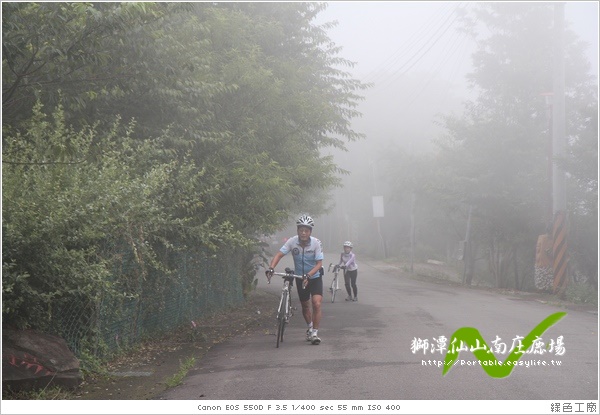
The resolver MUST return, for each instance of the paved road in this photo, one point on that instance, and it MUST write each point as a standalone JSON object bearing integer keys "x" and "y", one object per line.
{"x": 366, "y": 349}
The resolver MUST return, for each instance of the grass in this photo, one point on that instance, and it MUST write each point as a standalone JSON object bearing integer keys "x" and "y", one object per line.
{"x": 582, "y": 294}
{"x": 47, "y": 394}
{"x": 178, "y": 377}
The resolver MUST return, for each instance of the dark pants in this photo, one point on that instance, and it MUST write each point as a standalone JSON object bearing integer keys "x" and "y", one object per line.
{"x": 350, "y": 280}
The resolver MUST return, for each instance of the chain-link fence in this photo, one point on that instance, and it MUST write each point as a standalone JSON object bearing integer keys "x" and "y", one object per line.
{"x": 155, "y": 302}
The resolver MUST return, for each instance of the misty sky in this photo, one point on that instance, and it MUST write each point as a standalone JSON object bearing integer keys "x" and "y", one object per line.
{"x": 417, "y": 61}
{"x": 387, "y": 35}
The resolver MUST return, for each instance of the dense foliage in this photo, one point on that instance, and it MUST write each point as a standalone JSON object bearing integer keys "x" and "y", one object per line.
{"x": 158, "y": 127}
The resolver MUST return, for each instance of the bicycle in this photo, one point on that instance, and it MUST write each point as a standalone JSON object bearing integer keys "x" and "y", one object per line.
{"x": 285, "y": 309}
{"x": 335, "y": 285}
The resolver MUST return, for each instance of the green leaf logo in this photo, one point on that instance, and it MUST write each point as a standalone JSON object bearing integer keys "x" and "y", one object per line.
{"x": 472, "y": 337}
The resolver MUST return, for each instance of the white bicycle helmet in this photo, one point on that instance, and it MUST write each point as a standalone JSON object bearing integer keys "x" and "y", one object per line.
{"x": 305, "y": 220}
{"x": 348, "y": 243}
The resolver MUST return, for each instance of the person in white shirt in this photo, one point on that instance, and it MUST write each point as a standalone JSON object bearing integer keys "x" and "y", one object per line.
{"x": 350, "y": 267}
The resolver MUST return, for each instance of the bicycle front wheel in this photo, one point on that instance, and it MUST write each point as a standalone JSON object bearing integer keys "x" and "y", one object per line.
{"x": 333, "y": 289}
{"x": 281, "y": 317}
{"x": 280, "y": 329}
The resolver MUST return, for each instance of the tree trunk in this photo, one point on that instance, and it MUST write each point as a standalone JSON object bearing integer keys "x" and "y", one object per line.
{"x": 518, "y": 283}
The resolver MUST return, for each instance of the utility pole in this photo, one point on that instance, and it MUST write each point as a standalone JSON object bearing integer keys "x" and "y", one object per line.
{"x": 468, "y": 272}
{"x": 559, "y": 229}
{"x": 413, "y": 202}
{"x": 549, "y": 208}
{"x": 378, "y": 211}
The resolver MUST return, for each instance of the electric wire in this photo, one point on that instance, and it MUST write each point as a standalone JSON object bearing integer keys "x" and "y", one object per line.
{"x": 447, "y": 25}
{"x": 421, "y": 51}
{"x": 406, "y": 47}
{"x": 458, "y": 42}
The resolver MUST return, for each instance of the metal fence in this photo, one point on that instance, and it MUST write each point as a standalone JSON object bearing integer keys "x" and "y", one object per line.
{"x": 199, "y": 284}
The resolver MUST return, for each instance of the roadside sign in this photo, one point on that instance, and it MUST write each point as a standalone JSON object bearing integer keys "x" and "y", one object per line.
{"x": 378, "y": 206}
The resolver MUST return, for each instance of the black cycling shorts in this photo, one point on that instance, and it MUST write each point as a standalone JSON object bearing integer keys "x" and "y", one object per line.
{"x": 315, "y": 287}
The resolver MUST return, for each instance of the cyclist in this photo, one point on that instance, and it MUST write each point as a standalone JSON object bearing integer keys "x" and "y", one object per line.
{"x": 307, "y": 252}
{"x": 350, "y": 267}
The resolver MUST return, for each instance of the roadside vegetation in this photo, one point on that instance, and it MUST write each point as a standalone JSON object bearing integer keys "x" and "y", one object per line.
{"x": 178, "y": 377}
{"x": 145, "y": 143}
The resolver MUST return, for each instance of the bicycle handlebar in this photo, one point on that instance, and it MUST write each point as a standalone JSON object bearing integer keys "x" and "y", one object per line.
{"x": 289, "y": 274}
{"x": 284, "y": 275}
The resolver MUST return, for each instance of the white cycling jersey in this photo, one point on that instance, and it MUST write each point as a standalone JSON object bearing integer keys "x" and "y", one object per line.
{"x": 305, "y": 257}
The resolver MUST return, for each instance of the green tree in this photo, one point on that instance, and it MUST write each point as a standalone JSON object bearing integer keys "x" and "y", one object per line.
{"x": 52, "y": 47}
{"x": 226, "y": 109}
{"x": 495, "y": 154}
{"x": 253, "y": 86}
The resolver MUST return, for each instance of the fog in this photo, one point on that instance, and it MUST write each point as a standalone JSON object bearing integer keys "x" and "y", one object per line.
{"x": 417, "y": 61}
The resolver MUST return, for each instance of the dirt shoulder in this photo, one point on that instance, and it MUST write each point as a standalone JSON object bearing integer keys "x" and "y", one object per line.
{"x": 144, "y": 373}
{"x": 442, "y": 275}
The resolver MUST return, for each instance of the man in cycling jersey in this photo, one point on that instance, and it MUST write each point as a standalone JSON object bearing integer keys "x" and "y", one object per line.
{"x": 307, "y": 252}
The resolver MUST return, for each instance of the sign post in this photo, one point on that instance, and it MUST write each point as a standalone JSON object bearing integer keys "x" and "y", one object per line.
{"x": 378, "y": 213}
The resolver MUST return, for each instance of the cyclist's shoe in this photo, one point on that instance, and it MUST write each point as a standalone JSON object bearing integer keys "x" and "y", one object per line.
{"x": 355, "y": 299}
{"x": 314, "y": 339}
{"x": 348, "y": 298}
{"x": 308, "y": 335}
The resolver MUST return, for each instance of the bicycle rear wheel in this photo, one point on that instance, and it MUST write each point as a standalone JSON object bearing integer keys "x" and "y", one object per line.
{"x": 281, "y": 317}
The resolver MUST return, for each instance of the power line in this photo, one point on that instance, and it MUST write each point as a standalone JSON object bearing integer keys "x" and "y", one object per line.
{"x": 458, "y": 42}
{"x": 406, "y": 47}
{"x": 449, "y": 19}
{"x": 423, "y": 52}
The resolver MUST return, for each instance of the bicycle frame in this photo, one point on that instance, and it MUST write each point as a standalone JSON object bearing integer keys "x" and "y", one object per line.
{"x": 284, "y": 311}
{"x": 285, "y": 301}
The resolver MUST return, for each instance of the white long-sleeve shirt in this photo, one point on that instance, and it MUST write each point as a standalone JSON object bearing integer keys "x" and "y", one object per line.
{"x": 349, "y": 260}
